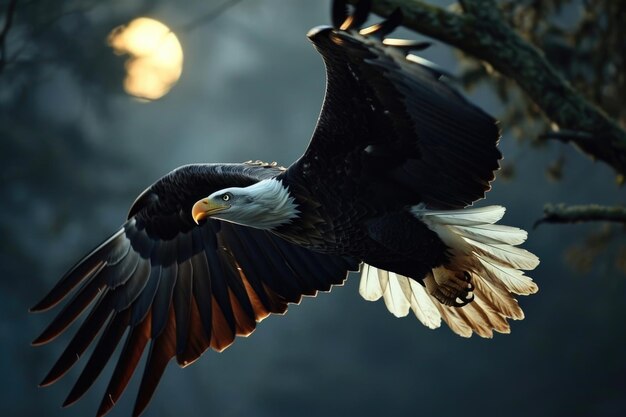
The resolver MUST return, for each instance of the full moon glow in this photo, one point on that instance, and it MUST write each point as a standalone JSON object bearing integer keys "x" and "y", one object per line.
{"x": 155, "y": 60}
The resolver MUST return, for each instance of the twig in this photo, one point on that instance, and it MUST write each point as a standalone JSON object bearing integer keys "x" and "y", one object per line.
{"x": 8, "y": 20}
{"x": 568, "y": 136}
{"x": 560, "y": 213}
{"x": 210, "y": 16}
{"x": 482, "y": 32}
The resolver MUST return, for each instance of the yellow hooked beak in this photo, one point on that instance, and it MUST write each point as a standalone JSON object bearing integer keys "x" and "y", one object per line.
{"x": 205, "y": 208}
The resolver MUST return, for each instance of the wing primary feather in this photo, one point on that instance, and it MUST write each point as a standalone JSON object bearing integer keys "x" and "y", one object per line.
{"x": 141, "y": 306}
{"x": 86, "y": 268}
{"x": 162, "y": 350}
{"x": 197, "y": 342}
{"x": 235, "y": 284}
{"x": 119, "y": 273}
{"x": 380, "y": 30}
{"x": 222, "y": 335}
{"x": 163, "y": 299}
{"x": 100, "y": 356}
{"x": 339, "y": 13}
{"x": 258, "y": 272}
{"x": 126, "y": 295}
{"x": 253, "y": 269}
{"x": 71, "y": 311}
{"x": 280, "y": 280}
{"x": 202, "y": 290}
{"x": 136, "y": 342}
{"x": 81, "y": 340}
{"x": 246, "y": 322}
{"x": 312, "y": 275}
{"x": 361, "y": 12}
{"x": 272, "y": 274}
{"x": 218, "y": 280}
{"x": 182, "y": 303}
{"x": 407, "y": 44}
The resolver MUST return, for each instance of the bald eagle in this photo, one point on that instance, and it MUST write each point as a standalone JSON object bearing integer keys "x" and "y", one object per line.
{"x": 210, "y": 250}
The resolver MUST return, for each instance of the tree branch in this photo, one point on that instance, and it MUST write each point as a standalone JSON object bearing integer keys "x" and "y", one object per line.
{"x": 8, "y": 20}
{"x": 561, "y": 213}
{"x": 482, "y": 32}
{"x": 479, "y": 7}
{"x": 210, "y": 16}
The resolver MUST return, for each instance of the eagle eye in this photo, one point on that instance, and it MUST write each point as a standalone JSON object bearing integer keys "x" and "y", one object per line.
{"x": 226, "y": 196}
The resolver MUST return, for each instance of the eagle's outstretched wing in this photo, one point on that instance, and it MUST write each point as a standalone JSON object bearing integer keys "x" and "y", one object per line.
{"x": 178, "y": 287}
{"x": 391, "y": 125}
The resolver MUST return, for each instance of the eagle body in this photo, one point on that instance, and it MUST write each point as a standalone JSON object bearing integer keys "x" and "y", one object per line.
{"x": 385, "y": 187}
{"x": 365, "y": 232}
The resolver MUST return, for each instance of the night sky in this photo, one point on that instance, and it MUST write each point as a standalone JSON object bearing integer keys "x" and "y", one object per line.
{"x": 76, "y": 150}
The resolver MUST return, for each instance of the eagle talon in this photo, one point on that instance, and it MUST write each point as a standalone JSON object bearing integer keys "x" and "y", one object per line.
{"x": 462, "y": 302}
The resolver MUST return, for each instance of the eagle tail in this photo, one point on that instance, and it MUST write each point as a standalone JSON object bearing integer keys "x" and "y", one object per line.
{"x": 474, "y": 292}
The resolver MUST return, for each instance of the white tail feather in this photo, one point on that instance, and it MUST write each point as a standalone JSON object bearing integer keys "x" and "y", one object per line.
{"x": 484, "y": 250}
{"x": 394, "y": 295}
{"x": 423, "y": 306}
{"x": 492, "y": 233}
{"x": 369, "y": 287}
{"x": 463, "y": 217}
{"x": 505, "y": 255}
{"x": 513, "y": 279}
{"x": 400, "y": 294}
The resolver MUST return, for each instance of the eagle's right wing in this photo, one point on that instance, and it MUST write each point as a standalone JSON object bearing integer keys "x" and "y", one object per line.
{"x": 177, "y": 287}
{"x": 391, "y": 128}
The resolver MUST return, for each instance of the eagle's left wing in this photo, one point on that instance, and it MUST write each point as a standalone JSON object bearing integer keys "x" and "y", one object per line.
{"x": 177, "y": 288}
{"x": 391, "y": 129}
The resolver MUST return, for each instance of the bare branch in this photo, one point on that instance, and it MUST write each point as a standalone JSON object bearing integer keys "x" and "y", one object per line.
{"x": 560, "y": 213}
{"x": 210, "y": 16}
{"x": 482, "y": 33}
{"x": 480, "y": 7}
{"x": 568, "y": 136}
{"x": 8, "y": 20}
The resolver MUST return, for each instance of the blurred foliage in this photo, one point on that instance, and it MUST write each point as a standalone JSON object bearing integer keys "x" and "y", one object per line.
{"x": 608, "y": 242}
{"x": 554, "y": 171}
{"x": 50, "y": 162}
{"x": 55, "y": 164}
{"x": 583, "y": 39}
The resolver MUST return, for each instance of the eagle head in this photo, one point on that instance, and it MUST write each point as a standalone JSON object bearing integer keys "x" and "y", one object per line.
{"x": 266, "y": 205}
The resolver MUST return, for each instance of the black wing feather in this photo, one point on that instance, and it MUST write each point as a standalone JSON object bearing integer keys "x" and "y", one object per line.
{"x": 141, "y": 306}
{"x": 100, "y": 356}
{"x": 246, "y": 259}
{"x": 162, "y": 350}
{"x": 177, "y": 287}
{"x": 71, "y": 310}
{"x": 202, "y": 291}
{"x": 266, "y": 270}
{"x": 133, "y": 286}
{"x": 110, "y": 251}
{"x": 392, "y": 127}
{"x": 81, "y": 340}
{"x": 163, "y": 299}
{"x": 219, "y": 287}
{"x": 126, "y": 364}
{"x": 182, "y": 304}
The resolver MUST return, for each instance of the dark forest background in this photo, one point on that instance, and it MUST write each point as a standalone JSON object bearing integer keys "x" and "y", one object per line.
{"x": 75, "y": 150}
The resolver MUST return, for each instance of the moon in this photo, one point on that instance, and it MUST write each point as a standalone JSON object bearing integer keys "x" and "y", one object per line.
{"x": 155, "y": 60}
